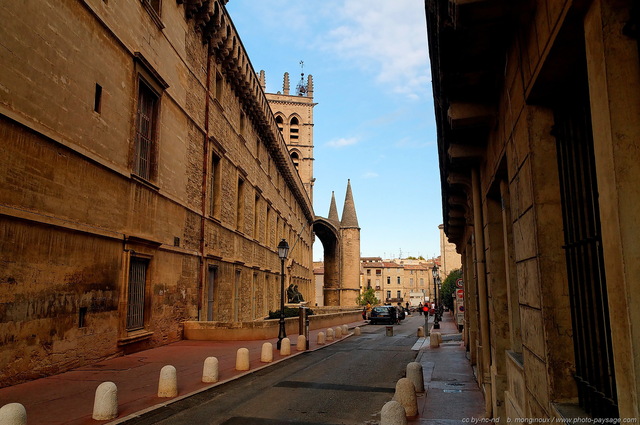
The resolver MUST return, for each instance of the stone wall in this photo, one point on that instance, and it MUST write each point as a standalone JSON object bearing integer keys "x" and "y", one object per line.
{"x": 501, "y": 174}
{"x": 74, "y": 213}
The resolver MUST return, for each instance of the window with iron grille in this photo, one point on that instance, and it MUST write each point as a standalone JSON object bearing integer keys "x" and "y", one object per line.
{"x": 595, "y": 376}
{"x": 146, "y": 129}
{"x": 136, "y": 293}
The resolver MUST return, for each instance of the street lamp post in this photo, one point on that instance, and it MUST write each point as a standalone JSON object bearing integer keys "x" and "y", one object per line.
{"x": 436, "y": 321}
{"x": 440, "y": 305}
{"x": 283, "y": 250}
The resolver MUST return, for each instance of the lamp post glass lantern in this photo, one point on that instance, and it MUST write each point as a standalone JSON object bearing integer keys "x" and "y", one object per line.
{"x": 436, "y": 319}
{"x": 283, "y": 251}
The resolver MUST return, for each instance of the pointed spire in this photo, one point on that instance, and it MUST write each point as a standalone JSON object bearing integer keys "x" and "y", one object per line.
{"x": 263, "y": 80}
{"x": 285, "y": 85}
{"x": 349, "y": 217}
{"x": 309, "y": 86}
{"x": 333, "y": 210}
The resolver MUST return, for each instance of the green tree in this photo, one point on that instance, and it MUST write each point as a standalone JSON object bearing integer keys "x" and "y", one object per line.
{"x": 368, "y": 296}
{"x": 449, "y": 287}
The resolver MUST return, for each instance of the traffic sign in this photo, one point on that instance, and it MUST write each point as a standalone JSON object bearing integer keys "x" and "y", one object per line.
{"x": 459, "y": 282}
{"x": 460, "y": 293}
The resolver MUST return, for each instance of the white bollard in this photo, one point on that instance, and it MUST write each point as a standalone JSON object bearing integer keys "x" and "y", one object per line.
{"x": 267, "y": 353}
{"x": 434, "y": 341}
{"x": 242, "y": 359}
{"x": 13, "y": 414}
{"x": 393, "y": 414}
{"x": 345, "y": 329}
{"x": 406, "y": 396}
{"x": 210, "y": 370}
{"x": 285, "y": 347}
{"x": 168, "y": 384}
{"x": 330, "y": 334}
{"x": 302, "y": 343}
{"x": 357, "y": 331}
{"x": 338, "y": 332}
{"x": 414, "y": 374}
{"x": 105, "y": 402}
{"x": 420, "y": 331}
{"x": 321, "y": 339}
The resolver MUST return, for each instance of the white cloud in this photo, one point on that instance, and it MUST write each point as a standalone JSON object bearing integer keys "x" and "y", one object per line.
{"x": 386, "y": 38}
{"x": 370, "y": 175}
{"x": 342, "y": 142}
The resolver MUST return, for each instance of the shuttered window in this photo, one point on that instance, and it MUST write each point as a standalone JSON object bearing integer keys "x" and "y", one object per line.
{"x": 145, "y": 134}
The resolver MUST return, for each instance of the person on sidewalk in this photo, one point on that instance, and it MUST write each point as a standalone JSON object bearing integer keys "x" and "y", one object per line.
{"x": 393, "y": 315}
{"x": 420, "y": 308}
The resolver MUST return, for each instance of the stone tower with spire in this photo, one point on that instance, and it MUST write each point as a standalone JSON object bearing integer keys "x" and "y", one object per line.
{"x": 350, "y": 251}
{"x": 294, "y": 116}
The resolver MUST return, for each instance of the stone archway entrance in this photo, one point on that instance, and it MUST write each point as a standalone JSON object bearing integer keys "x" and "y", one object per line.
{"x": 329, "y": 235}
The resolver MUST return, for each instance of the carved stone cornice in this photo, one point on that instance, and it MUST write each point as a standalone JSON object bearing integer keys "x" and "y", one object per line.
{"x": 210, "y": 17}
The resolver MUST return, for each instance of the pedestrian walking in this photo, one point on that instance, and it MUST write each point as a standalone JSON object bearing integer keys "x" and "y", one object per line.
{"x": 420, "y": 308}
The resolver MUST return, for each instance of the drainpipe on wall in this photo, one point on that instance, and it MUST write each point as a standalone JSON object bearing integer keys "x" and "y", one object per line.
{"x": 205, "y": 178}
{"x": 478, "y": 230}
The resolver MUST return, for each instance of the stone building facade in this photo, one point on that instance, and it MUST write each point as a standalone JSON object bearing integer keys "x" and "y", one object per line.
{"x": 395, "y": 282}
{"x": 537, "y": 107}
{"x": 294, "y": 116}
{"x": 144, "y": 181}
{"x": 449, "y": 259}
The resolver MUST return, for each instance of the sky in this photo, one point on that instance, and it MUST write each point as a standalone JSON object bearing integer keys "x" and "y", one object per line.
{"x": 373, "y": 123}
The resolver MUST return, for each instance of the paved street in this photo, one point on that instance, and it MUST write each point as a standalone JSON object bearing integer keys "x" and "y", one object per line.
{"x": 345, "y": 383}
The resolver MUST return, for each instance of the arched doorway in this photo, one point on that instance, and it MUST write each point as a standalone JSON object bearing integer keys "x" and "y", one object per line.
{"x": 329, "y": 235}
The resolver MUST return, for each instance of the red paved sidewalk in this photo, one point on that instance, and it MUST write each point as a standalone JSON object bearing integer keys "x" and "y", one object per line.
{"x": 68, "y": 398}
{"x": 452, "y": 393}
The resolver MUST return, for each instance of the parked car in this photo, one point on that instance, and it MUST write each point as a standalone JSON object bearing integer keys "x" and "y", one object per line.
{"x": 381, "y": 314}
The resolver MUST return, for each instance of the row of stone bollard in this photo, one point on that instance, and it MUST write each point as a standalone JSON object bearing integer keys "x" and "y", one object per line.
{"x": 105, "y": 405}
{"x": 333, "y": 334}
{"x": 435, "y": 337}
{"x": 404, "y": 403}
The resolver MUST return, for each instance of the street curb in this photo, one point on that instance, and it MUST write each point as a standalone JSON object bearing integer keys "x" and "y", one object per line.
{"x": 143, "y": 412}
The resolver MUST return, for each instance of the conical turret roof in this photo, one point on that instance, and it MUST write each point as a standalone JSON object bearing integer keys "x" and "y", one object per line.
{"x": 349, "y": 217}
{"x": 333, "y": 210}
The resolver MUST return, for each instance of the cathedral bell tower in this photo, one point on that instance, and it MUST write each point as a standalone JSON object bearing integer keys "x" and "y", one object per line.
{"x": 294, "y": 116}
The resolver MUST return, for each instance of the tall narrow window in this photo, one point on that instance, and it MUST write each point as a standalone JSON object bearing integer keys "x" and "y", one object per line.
{"x": 155, "y": 5}
{"x": 146, "y": 131}
{"x": 136, "y": 293}
{"x": 236, "y": 296}
{"x": 214, "y": 186}
{"x": 293, "y": 129}
{"x": 256, "y": 218}
{"x": 586, "y": 279}
{"x": 97, "y": 99}
{"x": 267, "y": 230}
{"x": 218, "y": 87}
{"x": 296, "y": 159}
{"x": 211, "y": 280}
{"x": 280, "y": 123}
{"x": 240, "y": 206}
